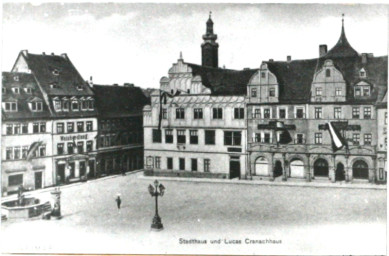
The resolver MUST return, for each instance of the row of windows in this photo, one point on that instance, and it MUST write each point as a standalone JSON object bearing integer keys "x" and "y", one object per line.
{"x": 355, "y": 138}
{"x": 13, "y": 106}
{"x": 70, "y": 147}
{"x": 71, "y": 128}
{"x": 217, "y": 113}
{"x": 22, "y": 128}
{"x": 17, "y": 90}
{"x": 231, "y": 138}
{"x": 75, "y": 104}
{"x": 181, "y": 164}
{"x": 20, "y": 152}
{"x": 108, "y": 140}
{"x": 271, "y": 92}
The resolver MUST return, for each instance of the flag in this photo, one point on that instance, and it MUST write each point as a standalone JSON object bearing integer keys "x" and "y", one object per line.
{"x": 285, "y": 137}
{"x": 338, "y": 142}
{"x": 162, "y": 100}
{"x": 32, "y": 149}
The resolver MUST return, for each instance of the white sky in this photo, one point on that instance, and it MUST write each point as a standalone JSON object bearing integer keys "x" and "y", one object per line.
{"x": 137, "y": 43}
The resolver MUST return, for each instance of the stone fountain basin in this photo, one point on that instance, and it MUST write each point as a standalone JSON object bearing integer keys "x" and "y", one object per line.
{"x": 32, "y": 207}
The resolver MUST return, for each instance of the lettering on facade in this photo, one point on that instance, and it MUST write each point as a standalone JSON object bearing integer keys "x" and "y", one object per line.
{"x": 74, "y": 137}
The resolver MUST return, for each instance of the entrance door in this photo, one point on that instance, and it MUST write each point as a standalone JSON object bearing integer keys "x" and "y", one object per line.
{"x": 320, "y": 168}
{"x": 339, "y": 174}
{"x": 262, "y": 167}
{"x": 82, "y": 168}
{"x": 234, "y": 167}
{"x": 91, "y": 168}
{"x": 360, "y": 170}
{"x": 277, "y": 169}
{"x": 72, "y": 170}
{"x": 38, "y": 180}
{"x": 60, "y": 174}
{"x": 297, "y": 169}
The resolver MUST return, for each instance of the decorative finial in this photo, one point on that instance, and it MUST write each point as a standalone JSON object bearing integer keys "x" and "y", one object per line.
{"x": 342, "y": 19}
{"x": 210, "y": 14}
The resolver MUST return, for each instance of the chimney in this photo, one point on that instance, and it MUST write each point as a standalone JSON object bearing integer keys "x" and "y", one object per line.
{"x": 370, "y": 55}
{"x": 43, "y": 53}
{"x": 128, "y": 85}
{"x": 271, "y": 60}
{"x": 115, "y": 84}
{"x": 64, "y": 55}
{"x": 224, "y": 66}
{"x": 25, "y": 52}
{"x": 288, "y": 58}
{"x": 364, "y": 58}
{"x": 52, "y": 53}
{"x": 322, "y": 50}
{"x": 90, "y": 81}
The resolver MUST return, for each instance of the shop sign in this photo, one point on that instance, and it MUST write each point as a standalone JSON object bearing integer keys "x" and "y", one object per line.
{"x": 74, "y": 137}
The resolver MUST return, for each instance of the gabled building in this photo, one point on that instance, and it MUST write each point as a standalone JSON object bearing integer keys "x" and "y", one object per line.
{"x": 120, "y": 136}
{"x": 195, "y": 125}
{"x": 341, "y": 86}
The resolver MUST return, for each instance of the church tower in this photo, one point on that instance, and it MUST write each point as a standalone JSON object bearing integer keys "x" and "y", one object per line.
{"x": 209, "y": 48}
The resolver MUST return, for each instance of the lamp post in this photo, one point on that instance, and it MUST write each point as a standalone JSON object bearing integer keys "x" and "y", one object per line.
{"x": 156, "y": 190}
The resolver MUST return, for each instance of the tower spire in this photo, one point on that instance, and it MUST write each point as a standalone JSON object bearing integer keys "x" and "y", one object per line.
{"x": 209, "y": 48}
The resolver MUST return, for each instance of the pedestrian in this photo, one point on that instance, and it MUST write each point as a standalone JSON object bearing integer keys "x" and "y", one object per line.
{"x": 118, "y": 201}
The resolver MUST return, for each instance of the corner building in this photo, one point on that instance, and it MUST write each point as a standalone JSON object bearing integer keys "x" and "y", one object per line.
{"x": 203, "y": 118}
{"x": 340, "y": 86}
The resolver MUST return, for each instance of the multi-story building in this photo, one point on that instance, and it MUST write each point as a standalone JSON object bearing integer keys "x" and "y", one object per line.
{"x": 25, "y": 120}
{"x": 382, "y": 138}
{"x": 70, "y": 104}
{"x": 341, "y": 86}
{"x": 196, "y": 121}
{"x": 120, "y": 136}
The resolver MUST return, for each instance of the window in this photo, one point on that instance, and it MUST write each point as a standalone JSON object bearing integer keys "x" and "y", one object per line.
{"x": 170, "y": 163}
{"x": 16, "y": 90}
{"x": 80, "y": 147}
{"x": 257, "y": 113}
{"x": 57, "y": 104}
{"x": 91, "y": 104}
{"x": 70, "y": 148}
{"x": 65, "y": 104}
{"x": 9, "y": 129}
{"x": 282, "y": 113}
{"x": 28, "y": 90}
{"x": 194, "y": 139}
{"x": 357, "y": 91}
{"x": 42, "y": 150}
{"x": 42, "y": 127}
{"x": 367, "y": 113}
{"x": 75, "y": 105}
{"x": 36, "y": 106}
{"x": 209, "y": 137}
{"x": 217, "y": 113}
{"x": 239, "y": 113}
{"x": 17, "y": 153}
{"x": 266, "y": 113}
{"x": 11, "y": 107}
{"x": 24, "y": 128}
{"x": 60, "y": 128}
{"x": 254, "y": 92}
{"x": 300, "y": 138}
{"x": 15, "y": 180}
{"x": 180, "y": 113}
{"x": 207, "y": 165}
{"x": 16, "y": 128}
{"x": 70, "y": 127}
{"x": 272, "y": 92}
{"x": 318, "y": 138}
{"x": 300, "y": 113}
{"x": 263, "y": 74}
{"x": 89, "y": 126}
{"x": 157, "y": 138}
{"x": 194, "y": 164}
{"x": 35, "y": 128}
{"x": 367, "y": 139}
{"x": 80, "y": 126}
{"x": 157, "y": 160}
{"x": 257, "y": 137}
{"x": 386, "y": 117}
{"x": 318, "y": 113}
{"x": 55, "y": 72}
{"x": 356, "y": 137}
{"x": 24, "y": 152}
{"x": 8, "y": 153}
{"x": 328, "y": 73}
{"x": 366, "y": 91}
{"x": 337, "y": 112}
{"x": 338, "y": 91}
{"x": 16, "y": 78}
{"x": 169, "y": 136}
{"x": 355, "y": 112}
{"x": 182, "y": 164}
{"x": 89, "y": 146}
{"x": 267, "y": 138}
{"x": 60, "y": 148}
{"x": 319, "y": 91}
{"x": 362, "y": 73}
{"x": 164, "y": 113}
{"x": 181, "y": 136}
{"x": 84, "y": 104}
{"x": 198, "y": 113}
{"x": 232, "y": 138}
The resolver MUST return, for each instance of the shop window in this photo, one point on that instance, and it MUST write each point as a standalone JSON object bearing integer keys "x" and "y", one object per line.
{"x": 15, "y": 180}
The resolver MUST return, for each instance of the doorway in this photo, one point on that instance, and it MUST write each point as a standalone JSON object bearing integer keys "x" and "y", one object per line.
{"x": 82, "y": 169}
{"x": 360, "y": 170}
{"x": 277, "y": 169}
{"x": 91, "y": 168}
{"x": 60, "y": 174}
{"x": 340, "y": 173}
{"x": 234, "y": 167}
{"x": 38, "y": 180}
{"x": 320, "y": 168}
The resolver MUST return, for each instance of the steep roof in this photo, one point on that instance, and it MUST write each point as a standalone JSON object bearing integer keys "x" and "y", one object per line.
{"x": 119, "y": 101}
{"x": 22, "y": 81}
{"x": 59, "y": 70}
{"x": 342, "y": 48}
{"x": 223, "y": 81}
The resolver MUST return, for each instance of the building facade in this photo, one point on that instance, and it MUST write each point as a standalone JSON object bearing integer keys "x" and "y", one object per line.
{"x": 196, "y": 124}
{"x": 340, "y": 87}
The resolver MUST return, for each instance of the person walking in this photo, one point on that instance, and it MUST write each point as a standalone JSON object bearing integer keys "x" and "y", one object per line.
{"x": 118, "y": 201}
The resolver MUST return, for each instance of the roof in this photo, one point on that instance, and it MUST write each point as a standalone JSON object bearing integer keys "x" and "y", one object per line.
{"x": 22, "y": 81}
{"x": 342, "y": 48}
{"x": 119, "y": 101}
{"x": 59, "y": 70}
{"x": 223, "y": 82}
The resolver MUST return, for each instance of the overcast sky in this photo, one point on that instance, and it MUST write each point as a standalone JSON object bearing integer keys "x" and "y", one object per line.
{"x": 137, "y": 43}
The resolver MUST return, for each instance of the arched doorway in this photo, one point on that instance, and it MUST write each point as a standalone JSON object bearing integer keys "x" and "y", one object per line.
{"x": 277, "y": 169}
{"x": 261, "y": 167}
{"x": 339, "y": 173}
{"x": 360, "y": 170}
{"x": 296, "y": 168}
{"x": 320, "y": 168}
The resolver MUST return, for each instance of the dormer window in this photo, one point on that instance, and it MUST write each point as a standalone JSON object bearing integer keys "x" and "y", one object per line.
{"x": 16, "y": 78}
{"x": 36, "y": 106}
{"x": 362, "y": 73}
{"x": 75, "y": 105}
{"x": 79, "y": 87}
{"x": 328, "y": 72}
{"x": 366, "y": 91}
{"x": 53, "y": 85}
{"x": 10, "y": 106}
{"x": 91, "y": 104}
{"x": 28, "y": 90}
{"x": 16, "y": 90}
{"x": 362, "y": 89}
{"x": 84, "y": 104}
{"x": 55, "y": 72}
{"x": 57, "y": 104}
{"x": 65, "y": 104}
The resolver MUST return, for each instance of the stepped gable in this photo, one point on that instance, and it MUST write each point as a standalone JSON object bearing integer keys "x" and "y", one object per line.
{"x": 24, "y": 80}
{"x": 119, "y": 101}
{"x": 223, "y": 82}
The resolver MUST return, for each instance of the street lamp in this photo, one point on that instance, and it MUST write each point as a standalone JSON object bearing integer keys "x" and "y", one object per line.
{"x": 157, "y": 224}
